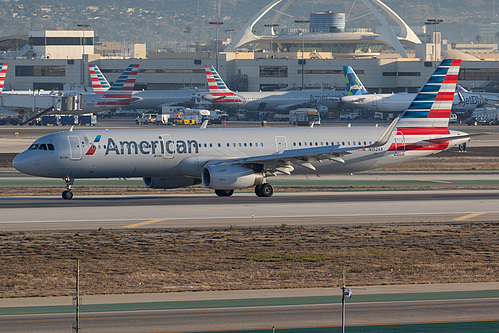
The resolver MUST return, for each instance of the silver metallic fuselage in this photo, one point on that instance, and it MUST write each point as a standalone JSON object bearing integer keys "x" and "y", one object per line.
{"x": 184, "y": 152}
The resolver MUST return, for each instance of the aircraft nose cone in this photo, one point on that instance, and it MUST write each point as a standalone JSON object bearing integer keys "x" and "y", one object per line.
{"x": 22, "y": 163}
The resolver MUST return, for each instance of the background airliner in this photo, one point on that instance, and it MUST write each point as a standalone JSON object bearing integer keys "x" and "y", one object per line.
{"x": 359, "y": 98}
{"x": 223, "y": 97}
{"x": 103, "y": 98}
{"x": 228, "y": 159}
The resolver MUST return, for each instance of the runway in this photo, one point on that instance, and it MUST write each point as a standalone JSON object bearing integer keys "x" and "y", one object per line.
{"x": 245, "y": 209}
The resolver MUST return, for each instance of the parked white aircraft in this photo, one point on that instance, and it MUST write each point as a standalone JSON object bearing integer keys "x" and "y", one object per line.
{"x": 359, "y": 98}
{"x": 223, "y": 97}
{"x": 228, "y": 159}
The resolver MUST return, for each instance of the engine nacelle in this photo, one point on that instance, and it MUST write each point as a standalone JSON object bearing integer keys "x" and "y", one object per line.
{"x": 230, "y": 177}
{"x": 170, "y": 182}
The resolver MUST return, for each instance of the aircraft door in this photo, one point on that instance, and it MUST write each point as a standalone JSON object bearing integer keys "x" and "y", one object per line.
{"x": 399, "y": 144}
{"x": 169, "y": 146}
{"x": 281, "y": 143}
{"x": 74, "y": 148}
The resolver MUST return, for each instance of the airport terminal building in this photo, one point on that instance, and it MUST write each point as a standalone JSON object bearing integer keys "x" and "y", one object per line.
{"x": 311, "y": 58}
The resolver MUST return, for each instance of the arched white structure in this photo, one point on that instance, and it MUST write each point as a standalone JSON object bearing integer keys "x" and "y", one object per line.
{"x": 387, "y": 35}
{"x": 246, "y": 35}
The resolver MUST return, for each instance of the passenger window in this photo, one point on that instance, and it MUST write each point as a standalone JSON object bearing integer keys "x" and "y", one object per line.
{"x": 211, "y": 145}
{"x": 245, "y": 144}
{"x": 219, "y": 145}
{"x": 251, "y": 144}
{"x": 294, "y": 144}
{"x": 228, "y": 145}
{"x": 299, "y": 144}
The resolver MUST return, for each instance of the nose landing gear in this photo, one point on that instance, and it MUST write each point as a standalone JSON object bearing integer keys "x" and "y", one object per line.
{"x": 67, "y": 195}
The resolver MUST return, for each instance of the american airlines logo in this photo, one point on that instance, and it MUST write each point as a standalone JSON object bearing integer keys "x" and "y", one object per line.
{"x": 93, "y": 147}
{"x": 152, "y": 147}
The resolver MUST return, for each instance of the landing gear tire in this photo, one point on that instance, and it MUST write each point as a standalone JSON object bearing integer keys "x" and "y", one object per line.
{"x": 67, "y": 195}
{"x": 224, "y": 193}
{"x": 264, "y": 190}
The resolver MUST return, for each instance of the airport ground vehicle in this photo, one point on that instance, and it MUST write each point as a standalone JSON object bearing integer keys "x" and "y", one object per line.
{"x": 69, "y": 120}
{"x": 87, "y": 119}
{"x": 475, "y": 121}
{"x": 304, "y": 117}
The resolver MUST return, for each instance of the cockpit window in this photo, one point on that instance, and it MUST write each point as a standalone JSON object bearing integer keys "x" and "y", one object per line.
{"x": 41, "y": 146}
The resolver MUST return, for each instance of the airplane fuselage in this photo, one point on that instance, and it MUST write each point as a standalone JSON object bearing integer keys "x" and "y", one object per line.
{"x": 401, "y": 101}
{"x": 282, "y": 100}
{"x": 184, "y": 153}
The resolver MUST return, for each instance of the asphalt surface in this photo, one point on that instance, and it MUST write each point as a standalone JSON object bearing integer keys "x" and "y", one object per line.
{"x": 300, "y": 310}
{"x": 245, "y": 209}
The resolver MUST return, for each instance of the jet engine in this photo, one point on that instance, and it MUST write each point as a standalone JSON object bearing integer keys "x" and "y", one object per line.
{"x": 170, "y": 182}
{"x": 230, "y": 177}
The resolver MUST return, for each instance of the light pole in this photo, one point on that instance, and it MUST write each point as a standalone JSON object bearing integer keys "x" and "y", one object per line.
{"x": 303, "y": 22}
{"x": 348, "y": 293}
{"x": 230, "y": 31}
{"x": 271, "y": 25}
{"x": 434, "y": 23}
{"x": 83, "y": 26}
{"x": 216, "y": 23}
{"x": 188, "y": 31}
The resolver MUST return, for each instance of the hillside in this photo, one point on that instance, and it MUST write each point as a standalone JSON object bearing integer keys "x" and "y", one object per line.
{"x": 163, "y": 22}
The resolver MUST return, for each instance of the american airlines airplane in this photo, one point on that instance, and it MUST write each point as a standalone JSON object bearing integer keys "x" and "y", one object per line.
{"x": 223, "y": 97}
{"x": 103, "y": 98}
{"x": 359, "y": 98}
{"x": 229, "y": 159}
{"x": 120, "y": 94}
{"x": 149, "y": 99}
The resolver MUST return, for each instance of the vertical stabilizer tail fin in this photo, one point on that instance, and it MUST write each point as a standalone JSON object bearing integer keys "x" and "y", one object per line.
{"x": 432, "y": 105}
{"x": 99, "y": 82}
{"x": 217, "y": 87}
{"x": 354, "y": 85}
{"x": 3, "y": 73}
{"x": 120, "y": 92}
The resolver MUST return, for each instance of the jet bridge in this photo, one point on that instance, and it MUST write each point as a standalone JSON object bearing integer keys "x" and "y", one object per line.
{"x": 37, "y": 104}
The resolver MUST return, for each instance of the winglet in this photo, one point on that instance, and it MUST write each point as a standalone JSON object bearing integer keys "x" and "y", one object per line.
{"x": 383, "y": 139}
{"x": 204, "y": 124}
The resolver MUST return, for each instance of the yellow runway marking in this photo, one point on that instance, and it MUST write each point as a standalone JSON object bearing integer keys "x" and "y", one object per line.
{"x": 465, "y": 217}
{"x": 434, "y": 181}
{"x": 142, "y": 223}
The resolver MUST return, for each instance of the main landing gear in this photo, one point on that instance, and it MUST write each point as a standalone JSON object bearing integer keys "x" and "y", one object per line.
{"x": 263, "y": 190}
{"x": 67, "y": 195}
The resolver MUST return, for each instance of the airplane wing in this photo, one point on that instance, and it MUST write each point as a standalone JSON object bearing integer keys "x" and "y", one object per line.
{"x": 285, "y": 161}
